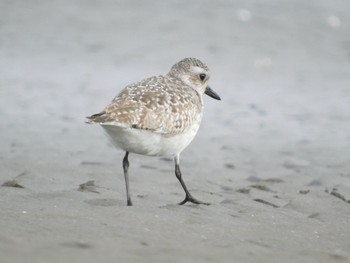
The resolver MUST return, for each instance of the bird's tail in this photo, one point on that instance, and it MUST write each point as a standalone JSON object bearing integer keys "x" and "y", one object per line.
{"x": 96, "y": 118}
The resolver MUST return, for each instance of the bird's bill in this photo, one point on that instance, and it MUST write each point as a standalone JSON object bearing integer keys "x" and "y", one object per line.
{"x": 212, "y": 93}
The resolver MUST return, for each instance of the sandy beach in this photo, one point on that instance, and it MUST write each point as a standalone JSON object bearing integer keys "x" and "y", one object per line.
{"x": 272, "y": 158}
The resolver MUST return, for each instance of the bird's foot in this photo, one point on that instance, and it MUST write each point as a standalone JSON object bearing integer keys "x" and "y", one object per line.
{"x": 190, "y": 198}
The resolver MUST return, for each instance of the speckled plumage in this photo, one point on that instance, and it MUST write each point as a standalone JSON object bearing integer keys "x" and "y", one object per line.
{"x": 161, "y": 104}
{"x": 158, "y": 116}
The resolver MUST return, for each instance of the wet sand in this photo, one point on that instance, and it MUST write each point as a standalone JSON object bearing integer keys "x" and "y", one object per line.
{"x": 272, "y": 157}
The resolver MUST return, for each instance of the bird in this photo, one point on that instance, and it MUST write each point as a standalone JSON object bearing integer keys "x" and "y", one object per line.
{"x": 158, "y": 116}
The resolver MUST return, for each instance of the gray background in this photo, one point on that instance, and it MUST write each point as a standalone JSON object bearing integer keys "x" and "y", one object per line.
{"x": 272, "y": 157}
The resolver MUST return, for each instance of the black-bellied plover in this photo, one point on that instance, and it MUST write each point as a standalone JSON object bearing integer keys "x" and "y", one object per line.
{"x": 159, "y": 116}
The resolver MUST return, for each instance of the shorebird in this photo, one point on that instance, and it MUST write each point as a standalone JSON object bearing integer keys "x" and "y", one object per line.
{"x": 159, "y": 116}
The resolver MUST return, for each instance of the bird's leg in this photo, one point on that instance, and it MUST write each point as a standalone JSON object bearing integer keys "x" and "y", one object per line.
{"x": 189, "y": 197}
{"x": 126, "y": 175}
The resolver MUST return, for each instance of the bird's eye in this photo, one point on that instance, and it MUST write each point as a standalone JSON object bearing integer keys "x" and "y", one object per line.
{"x": 202, "y": 76}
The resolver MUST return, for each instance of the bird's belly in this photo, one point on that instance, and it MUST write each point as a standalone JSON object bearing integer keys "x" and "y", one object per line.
{"x": 150, "y": 143}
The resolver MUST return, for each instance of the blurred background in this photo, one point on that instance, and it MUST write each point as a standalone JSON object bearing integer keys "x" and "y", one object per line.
{"x": 282, "y": 69}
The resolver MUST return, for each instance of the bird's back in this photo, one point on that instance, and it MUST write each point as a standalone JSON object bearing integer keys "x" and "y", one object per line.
{"x": 161, "y": 104}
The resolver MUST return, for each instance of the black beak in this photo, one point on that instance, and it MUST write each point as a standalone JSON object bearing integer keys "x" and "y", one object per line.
{"x": 211, "y": 93}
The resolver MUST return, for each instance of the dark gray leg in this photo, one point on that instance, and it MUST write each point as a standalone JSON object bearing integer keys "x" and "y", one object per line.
{"x": 126, "y": 175}
{"x": 189, "y": 197}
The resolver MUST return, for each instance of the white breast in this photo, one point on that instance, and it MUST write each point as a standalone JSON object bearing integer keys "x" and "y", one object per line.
{"x": 150, "y": 143}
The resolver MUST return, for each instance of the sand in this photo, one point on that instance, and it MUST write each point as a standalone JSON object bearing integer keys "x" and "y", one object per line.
{"x": 272, "y": 158}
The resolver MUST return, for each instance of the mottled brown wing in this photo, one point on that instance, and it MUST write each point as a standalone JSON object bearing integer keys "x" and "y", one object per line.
{"x": 159, "y": 104}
